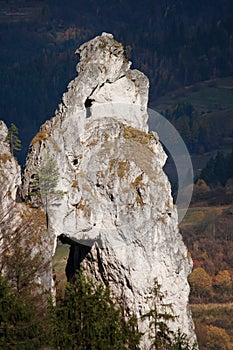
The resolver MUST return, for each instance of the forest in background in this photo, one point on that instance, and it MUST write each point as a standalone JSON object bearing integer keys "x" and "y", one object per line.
{"x": 175, "y": 43}
{"x": 186, "y": 50}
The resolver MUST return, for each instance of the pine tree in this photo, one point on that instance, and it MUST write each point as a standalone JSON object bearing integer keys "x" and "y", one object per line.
{"x": 86, "y": 318}
{"x": 13, "y": 139}
{"x": 46, "y": 181}
{"x": 160, "y": 315}
{"x": 19, "y": 328}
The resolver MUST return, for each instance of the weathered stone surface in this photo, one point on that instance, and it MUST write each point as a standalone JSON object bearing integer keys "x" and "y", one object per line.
{"x": 22, "y": 228}
{"x": 10, "y": 177}
{"x": 117, "y": 198}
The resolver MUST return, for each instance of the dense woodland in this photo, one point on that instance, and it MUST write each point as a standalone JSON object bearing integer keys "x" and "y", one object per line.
{"x": 175, "y": 43}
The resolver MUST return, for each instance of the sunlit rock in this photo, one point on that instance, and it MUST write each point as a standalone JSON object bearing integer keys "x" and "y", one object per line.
{"x": 116, "y": 198}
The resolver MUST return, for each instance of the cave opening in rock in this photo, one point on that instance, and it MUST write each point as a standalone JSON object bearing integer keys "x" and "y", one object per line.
{"x": 88, "y": 104}
{"x": 77, "y": 254}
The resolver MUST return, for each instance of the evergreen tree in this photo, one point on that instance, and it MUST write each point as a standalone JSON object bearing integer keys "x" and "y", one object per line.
{"x": 160, "y": 315}
{"x": 181, "y": 342}
{"x": 19, "y": 328}
{"x": 229, "y": 161}
{"x": 13, "y": 139}
{"x": 218, "y": 170}
{"x": 46, "y": 181}
{"x": 87, "y": 319}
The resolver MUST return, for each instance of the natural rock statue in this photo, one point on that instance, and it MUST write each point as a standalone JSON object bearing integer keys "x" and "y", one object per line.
{"x": 117, "y": 199}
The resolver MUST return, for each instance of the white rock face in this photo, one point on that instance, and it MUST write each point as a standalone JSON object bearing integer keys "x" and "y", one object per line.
{"x": 10, "y": 177}
{"x": 117, "y": 198}
{"x": 21, "y": 224}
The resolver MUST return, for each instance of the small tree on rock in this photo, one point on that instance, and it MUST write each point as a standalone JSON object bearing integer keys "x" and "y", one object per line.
{"x": 13, "y": 139}
{"x": 160, "y": 315}
{"x": 46, "y": 181}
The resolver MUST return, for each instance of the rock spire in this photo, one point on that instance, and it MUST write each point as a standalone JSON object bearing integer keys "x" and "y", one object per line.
{"x": 116, "y": 198}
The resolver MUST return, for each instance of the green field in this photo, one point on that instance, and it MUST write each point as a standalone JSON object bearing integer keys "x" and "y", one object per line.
{"x": 59, "y": 263}
{"x": 205, "y": 96}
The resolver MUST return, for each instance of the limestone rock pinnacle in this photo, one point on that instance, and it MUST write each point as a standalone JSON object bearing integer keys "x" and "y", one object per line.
{"x": 116, "y": 198}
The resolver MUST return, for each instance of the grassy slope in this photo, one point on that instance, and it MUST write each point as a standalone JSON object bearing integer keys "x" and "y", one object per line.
{"x": 209, "y": 95}
{"x": 214, "y": 101}
{"x": 59, "y": 263}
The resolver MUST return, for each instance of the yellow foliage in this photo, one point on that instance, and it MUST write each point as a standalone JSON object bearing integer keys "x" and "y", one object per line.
{"x": 223, "y": 279}
{"x": 201, "y": 282}
{"x": 217, "y": 339}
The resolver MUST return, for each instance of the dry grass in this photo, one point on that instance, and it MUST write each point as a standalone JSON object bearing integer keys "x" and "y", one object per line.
{"x": 138, "y": 181}
{"x": 123, "y": 167}
{"x": 74, "y": 184}
{"x": 136, "y": 135}
{"x": 4, "y": 157}
{"x": 92, "y": 143}
{"x": 42, "y": 135}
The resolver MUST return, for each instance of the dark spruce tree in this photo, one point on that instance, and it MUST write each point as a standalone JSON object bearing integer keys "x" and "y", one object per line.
{"x": 19, "y": 329}
{"x": 13, "y": 139}
{"x": 87, "y": 319}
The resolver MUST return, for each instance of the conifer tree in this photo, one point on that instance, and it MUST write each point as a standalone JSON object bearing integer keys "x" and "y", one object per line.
{"x": 13, "y": 139}
{"x": 46, "y": 181}
{"x": 19, "y": 328}
{"x": 86, "y": 318}
{"x": 160, "y": 315}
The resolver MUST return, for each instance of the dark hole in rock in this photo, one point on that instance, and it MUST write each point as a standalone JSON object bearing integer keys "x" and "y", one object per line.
{"x": 77, "y": 254}
{"x": 99, "y": 185}
{"x": 88, "y": 104}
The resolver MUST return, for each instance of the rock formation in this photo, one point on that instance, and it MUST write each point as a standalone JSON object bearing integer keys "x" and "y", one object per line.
{"x": 10, "y": 177}
{"x": 24, "y": 242}
{"x": 116, "y": 198}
